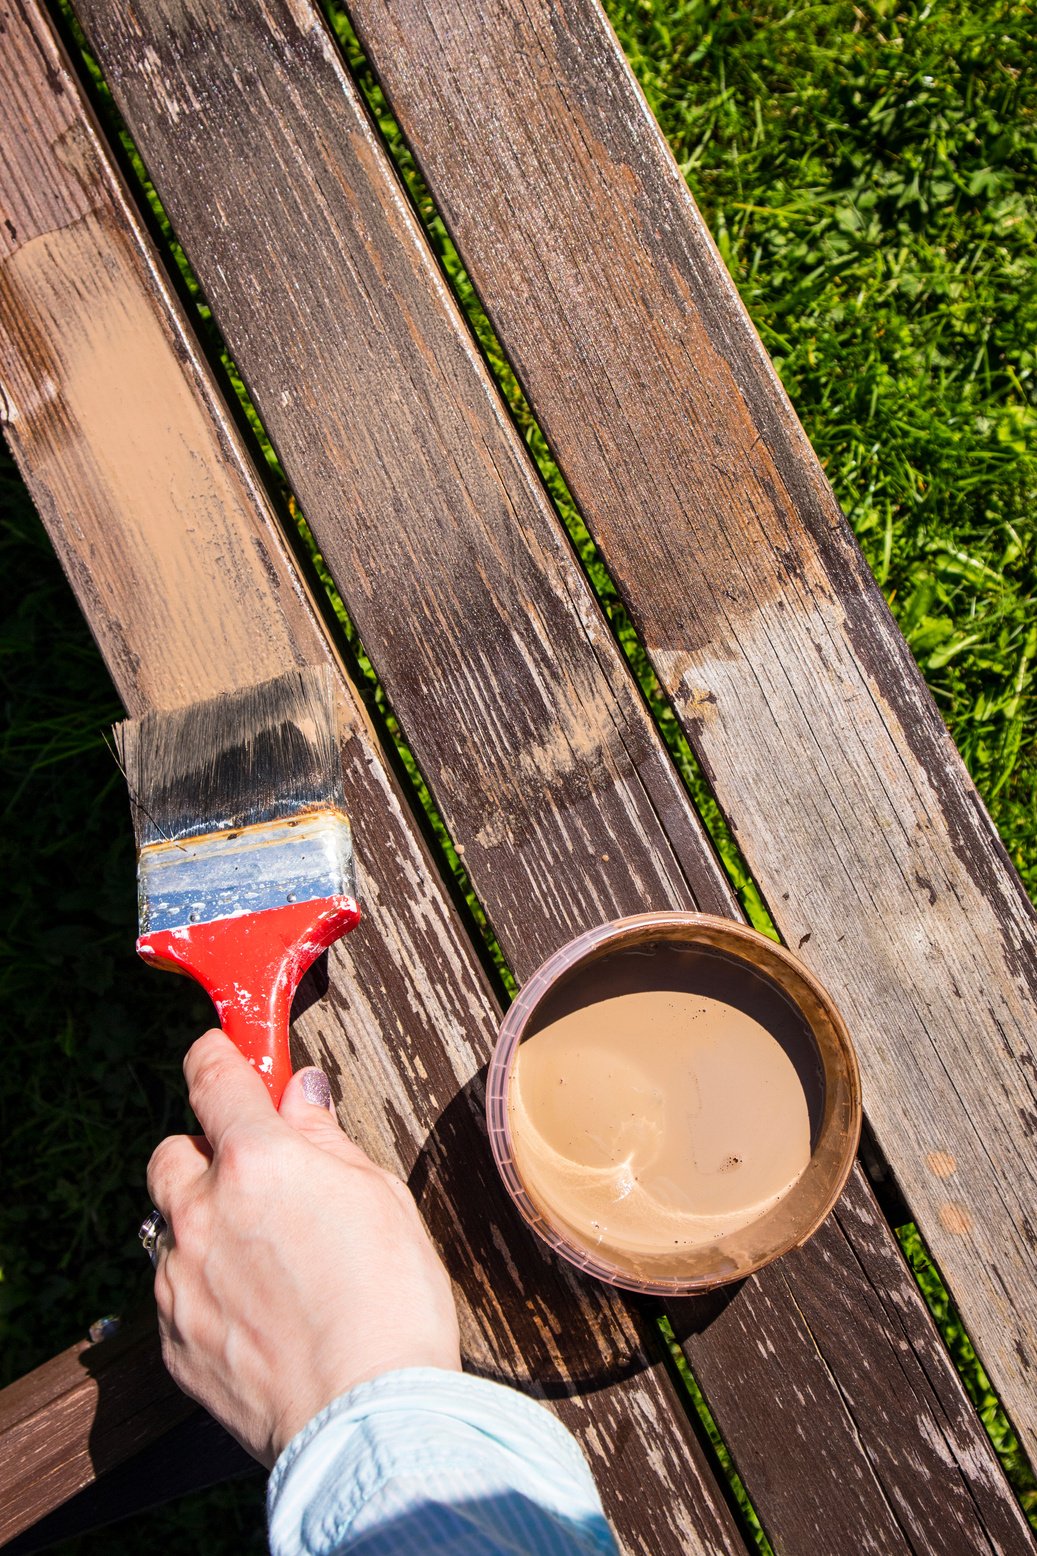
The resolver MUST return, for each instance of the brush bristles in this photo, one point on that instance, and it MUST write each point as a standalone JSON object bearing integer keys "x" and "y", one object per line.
{"x": 258, "y": 755}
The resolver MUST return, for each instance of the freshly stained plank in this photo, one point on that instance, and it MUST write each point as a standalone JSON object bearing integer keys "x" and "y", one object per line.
{"x": 787, "y": 672}
{"x": 446, "y": 559}
{"x": 178, "y": 562}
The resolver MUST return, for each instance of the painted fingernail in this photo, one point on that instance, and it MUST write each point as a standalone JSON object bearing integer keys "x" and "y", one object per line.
{"x": 316, "y": 1088}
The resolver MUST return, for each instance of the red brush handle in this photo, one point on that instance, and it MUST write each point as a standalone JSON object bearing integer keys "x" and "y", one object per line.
{"x": 250, "y": 966}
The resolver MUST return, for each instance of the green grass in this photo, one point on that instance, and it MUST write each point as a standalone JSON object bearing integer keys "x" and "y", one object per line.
{"x": 973, "y": 1374}
{"x": 710, "y": 1433}
{"x": 868, "y": 173}
{"x": 90, "y": 1045}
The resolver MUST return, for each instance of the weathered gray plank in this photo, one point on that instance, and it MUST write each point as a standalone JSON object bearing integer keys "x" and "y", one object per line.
{"x": 919, "y": 1386}
{"x": 787, "y": 672}
{"x": 180, "y": 567}
{"x": 447, "y": 559}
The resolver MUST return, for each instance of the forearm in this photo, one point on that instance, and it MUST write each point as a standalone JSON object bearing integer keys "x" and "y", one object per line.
{"x": 428, "y": 1461}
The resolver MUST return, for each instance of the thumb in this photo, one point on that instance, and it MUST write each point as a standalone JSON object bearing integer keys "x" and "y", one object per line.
{"x": 307, "y": 1105}
{"x": 308, "y": 1089}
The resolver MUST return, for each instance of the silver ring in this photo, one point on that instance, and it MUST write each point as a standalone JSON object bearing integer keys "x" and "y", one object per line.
{"x": 152, "y": 1230}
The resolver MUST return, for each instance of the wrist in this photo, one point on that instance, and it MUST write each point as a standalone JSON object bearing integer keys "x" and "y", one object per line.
{"x": 425, "y": 1437}
{"x": 334, "y": 1384}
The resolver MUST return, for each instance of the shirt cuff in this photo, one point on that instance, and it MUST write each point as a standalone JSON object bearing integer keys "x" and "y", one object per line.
{"x": 436, "y": 1456}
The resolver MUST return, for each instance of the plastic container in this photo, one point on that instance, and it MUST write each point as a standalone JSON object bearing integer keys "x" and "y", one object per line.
{"x": 834, "y": 1135}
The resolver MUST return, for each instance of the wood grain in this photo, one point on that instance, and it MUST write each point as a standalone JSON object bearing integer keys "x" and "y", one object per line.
{"x": 428, "y": 515}
{"x": 406, "y": 464}
{"x": 864, "y": 1327}
{"x": 78, "y": 1416}
{"x": 180, "y": 567}
{"x": 192, "y": 1454}
{"x": 832, "y": 765}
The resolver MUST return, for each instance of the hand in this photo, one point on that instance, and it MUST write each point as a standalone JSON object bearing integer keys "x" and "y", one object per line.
{"x": 296, "y": 1267}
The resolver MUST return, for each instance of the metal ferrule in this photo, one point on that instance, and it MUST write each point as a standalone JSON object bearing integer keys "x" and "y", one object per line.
{"x": 224, "y": 874}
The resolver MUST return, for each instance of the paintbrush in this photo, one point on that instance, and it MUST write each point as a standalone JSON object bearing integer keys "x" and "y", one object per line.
{"x": 245, "y": 859}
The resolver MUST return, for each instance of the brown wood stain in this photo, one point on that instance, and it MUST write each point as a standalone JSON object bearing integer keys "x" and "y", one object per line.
{"x": 665, "y": 1098}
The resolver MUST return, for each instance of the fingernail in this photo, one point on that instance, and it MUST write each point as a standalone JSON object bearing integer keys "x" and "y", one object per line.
{"x": 316, "y": 1088}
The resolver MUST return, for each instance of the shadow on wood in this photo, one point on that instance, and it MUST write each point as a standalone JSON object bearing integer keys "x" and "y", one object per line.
{"x": 97, "y": 1432}
{"x": 194, "y": 1454}
{"x": 457, "y": 1187}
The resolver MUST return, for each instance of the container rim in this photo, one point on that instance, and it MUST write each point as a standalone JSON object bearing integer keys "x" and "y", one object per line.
{"x": 833, "y": 1151}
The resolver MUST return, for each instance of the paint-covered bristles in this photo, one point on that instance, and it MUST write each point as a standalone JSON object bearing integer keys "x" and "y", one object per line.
{"x": 259, "y": 755}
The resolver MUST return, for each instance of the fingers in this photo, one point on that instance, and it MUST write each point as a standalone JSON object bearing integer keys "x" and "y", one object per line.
{"x": 223, "y": 1087}
{"x": 176, "y": 1165}
{"x": 226, "y": 1092}
{"x": 307, "y": 1105}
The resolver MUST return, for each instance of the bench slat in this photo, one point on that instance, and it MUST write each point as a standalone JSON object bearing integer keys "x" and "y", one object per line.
{"x": 192, "y": 1455}
{"x": 895, "y": 1383}
{"x": 178, "y": 562}
{"x": 49, "y": 1450}
{"x": 381, "y": 413}
{"x": 787, "y": 672}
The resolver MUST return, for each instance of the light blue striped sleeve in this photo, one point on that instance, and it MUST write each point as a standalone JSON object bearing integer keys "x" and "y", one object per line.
{"x": 424, "y": 1462}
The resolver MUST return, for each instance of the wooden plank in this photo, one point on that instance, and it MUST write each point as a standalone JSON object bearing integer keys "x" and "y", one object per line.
{"x": 873, "y": 1337}
{"x": 787, "y": 672}
{"x": 191, "y": 1455}
{"x": 404, "y": 457}
{"x": 178, "y": 562}
{"x": 444, "y": 516}
{"x": 79, "y": 1416}
{"x": 920, "y": 1385}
